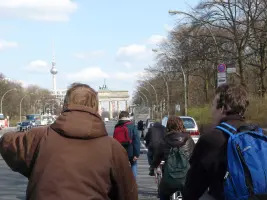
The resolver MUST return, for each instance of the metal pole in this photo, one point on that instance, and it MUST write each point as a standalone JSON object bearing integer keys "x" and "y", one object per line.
{"x": 144, "y": 96}
{"x": 185, "y": 91}
{"x": 154, "y": 91}
{"x": 168, "y": 94}
{"x": 142, "y": 99}
{"x": 3, "y": 98}
{"x": 20, "y": 107}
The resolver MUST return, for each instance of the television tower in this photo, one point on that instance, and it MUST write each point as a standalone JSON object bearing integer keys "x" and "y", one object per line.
{"x": 53, "y": 70}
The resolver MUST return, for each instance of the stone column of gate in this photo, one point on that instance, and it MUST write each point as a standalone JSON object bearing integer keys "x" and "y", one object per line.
{"x": 118, "y": 107}
{"x": 110, "y": 110}
{"x": 126, "y": 105}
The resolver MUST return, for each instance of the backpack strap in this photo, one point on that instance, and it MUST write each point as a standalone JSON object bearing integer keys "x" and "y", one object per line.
{"x": 226, "y": 128}
{"x": 250, "y": 127}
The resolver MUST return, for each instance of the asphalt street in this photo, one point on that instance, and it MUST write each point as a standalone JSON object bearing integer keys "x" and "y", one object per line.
{"x": 13, "y": 185}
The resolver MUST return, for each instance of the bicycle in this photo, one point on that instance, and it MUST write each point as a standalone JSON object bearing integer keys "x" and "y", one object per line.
{"x": 158, "y": 177}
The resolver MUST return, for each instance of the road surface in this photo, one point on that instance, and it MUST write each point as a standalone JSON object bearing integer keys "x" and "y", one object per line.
{"x": 13, "y": 185}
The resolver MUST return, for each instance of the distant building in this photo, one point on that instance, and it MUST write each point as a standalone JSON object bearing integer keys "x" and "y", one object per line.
{"x": 59, "y": 94}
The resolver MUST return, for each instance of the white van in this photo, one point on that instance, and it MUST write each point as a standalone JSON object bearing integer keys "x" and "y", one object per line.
{"x": 106, "y": 119}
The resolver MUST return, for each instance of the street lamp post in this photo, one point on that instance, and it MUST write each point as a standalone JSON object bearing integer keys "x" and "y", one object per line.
{"x": 4, "y": 96}
{"x": 185, "y": 84}
{"x": 150, "y": 110}
{"x": 168, "y": 94}
{"x": 142, "y": 100}
{"x": 20, "y": 106}
{"x": 147, "y": 91}
{"x": 144, "y": 96}
{"x": 155, "y": 94}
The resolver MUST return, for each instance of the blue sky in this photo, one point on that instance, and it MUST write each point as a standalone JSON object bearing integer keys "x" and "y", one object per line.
{"x": 93, "y": 39}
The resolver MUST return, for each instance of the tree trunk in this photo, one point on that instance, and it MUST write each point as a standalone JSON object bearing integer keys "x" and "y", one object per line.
{"x": 241, "y": 68}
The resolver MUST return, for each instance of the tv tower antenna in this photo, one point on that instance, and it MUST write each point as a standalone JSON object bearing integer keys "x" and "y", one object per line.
{"x": 53, "y": 70}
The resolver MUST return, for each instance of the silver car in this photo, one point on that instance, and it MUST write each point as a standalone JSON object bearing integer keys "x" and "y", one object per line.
{"x": 190, "y": 125}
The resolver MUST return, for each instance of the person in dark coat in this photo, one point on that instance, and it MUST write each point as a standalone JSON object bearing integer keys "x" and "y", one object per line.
{"x": 152, "y": 139}
{"x": 140, "y": 126}
{"x": 176, "y": 136}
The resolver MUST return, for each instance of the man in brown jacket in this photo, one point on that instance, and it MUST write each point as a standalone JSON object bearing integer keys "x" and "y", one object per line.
{"x": 73, "y": 159}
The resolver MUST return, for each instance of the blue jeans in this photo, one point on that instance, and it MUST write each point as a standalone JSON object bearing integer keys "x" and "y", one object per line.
{"x": 134, "y": 168}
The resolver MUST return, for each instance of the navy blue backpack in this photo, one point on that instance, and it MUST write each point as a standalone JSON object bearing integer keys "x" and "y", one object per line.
{"x": 246, "y": 176}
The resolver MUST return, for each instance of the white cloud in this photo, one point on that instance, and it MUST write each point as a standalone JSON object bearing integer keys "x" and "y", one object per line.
{"x": 87, "y": 55}
{"x": 38, "y": 66}
{"x": 7, "y": 44}
{"x": 168, "y": 27}
{"x": 23, "y": 83}
{"x": 44, "y": 10}
{"x": 133, "y": 52}
{"x": 156, "y": 39}
{"x": 131, "y": 76}
{"x": 127, "y": 65}
{"x": 88, "y": 74}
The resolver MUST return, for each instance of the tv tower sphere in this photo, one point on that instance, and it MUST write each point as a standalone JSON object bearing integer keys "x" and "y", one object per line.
{"x": 53, "y": 71}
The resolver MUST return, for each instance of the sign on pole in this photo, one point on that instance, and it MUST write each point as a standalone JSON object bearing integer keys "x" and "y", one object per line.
{"x": 231, "y": 68}
{"x": 178, "y": 107}
{"x": 221, "y": 75}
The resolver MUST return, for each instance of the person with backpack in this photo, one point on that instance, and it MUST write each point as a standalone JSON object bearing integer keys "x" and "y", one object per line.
{"x": 230, "y": 162}
{"x": 74, "y": 158}
{"x": 175, "y": 149}
{"x": 126, "y": 134}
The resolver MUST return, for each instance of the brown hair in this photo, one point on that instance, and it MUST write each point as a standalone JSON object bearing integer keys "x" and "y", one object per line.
{"x": 175, "y": 123}
{"x": 123, "y": 114}
{"x": 81, "y": 94}
{"x": 232, "y": 98}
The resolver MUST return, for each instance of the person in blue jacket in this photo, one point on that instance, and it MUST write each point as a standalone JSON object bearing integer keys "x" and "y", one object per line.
{"x": 133, "y": 149}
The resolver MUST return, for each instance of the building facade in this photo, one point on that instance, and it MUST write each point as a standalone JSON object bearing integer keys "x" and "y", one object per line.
{"x": 59, "y": 94}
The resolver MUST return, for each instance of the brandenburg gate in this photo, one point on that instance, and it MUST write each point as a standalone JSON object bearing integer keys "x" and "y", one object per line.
{"x": 113, "y": 97}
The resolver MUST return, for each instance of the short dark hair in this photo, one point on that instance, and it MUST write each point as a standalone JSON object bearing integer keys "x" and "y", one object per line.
{"x": 232, "y": 98}
{"x": 123, "y": 114}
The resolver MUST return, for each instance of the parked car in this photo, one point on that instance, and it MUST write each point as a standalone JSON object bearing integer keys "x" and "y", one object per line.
{"x": 106, "y": 119}
{"x": 18, "y": 126}
{"x": 191, "y": 127}
{"x": 33, "y": 123}
{"x": 25, "y": 126}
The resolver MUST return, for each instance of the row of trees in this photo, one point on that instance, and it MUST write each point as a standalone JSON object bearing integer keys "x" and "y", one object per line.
{"x": 32, "y": 99}
{"x": 233, "y": 32}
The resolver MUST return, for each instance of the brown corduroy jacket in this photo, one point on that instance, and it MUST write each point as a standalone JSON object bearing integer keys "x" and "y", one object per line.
{"x": 73, "y": 159}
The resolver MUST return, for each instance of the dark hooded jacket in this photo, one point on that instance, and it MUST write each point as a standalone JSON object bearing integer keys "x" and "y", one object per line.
{"x": 74, "y": 158}
{"x": 173, "y": 139}
{"x": 208, "y": 162}
{"x": 154, "y": 136}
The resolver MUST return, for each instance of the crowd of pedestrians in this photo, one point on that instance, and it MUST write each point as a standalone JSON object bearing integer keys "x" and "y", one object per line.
{"x": 74, "y": 158}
